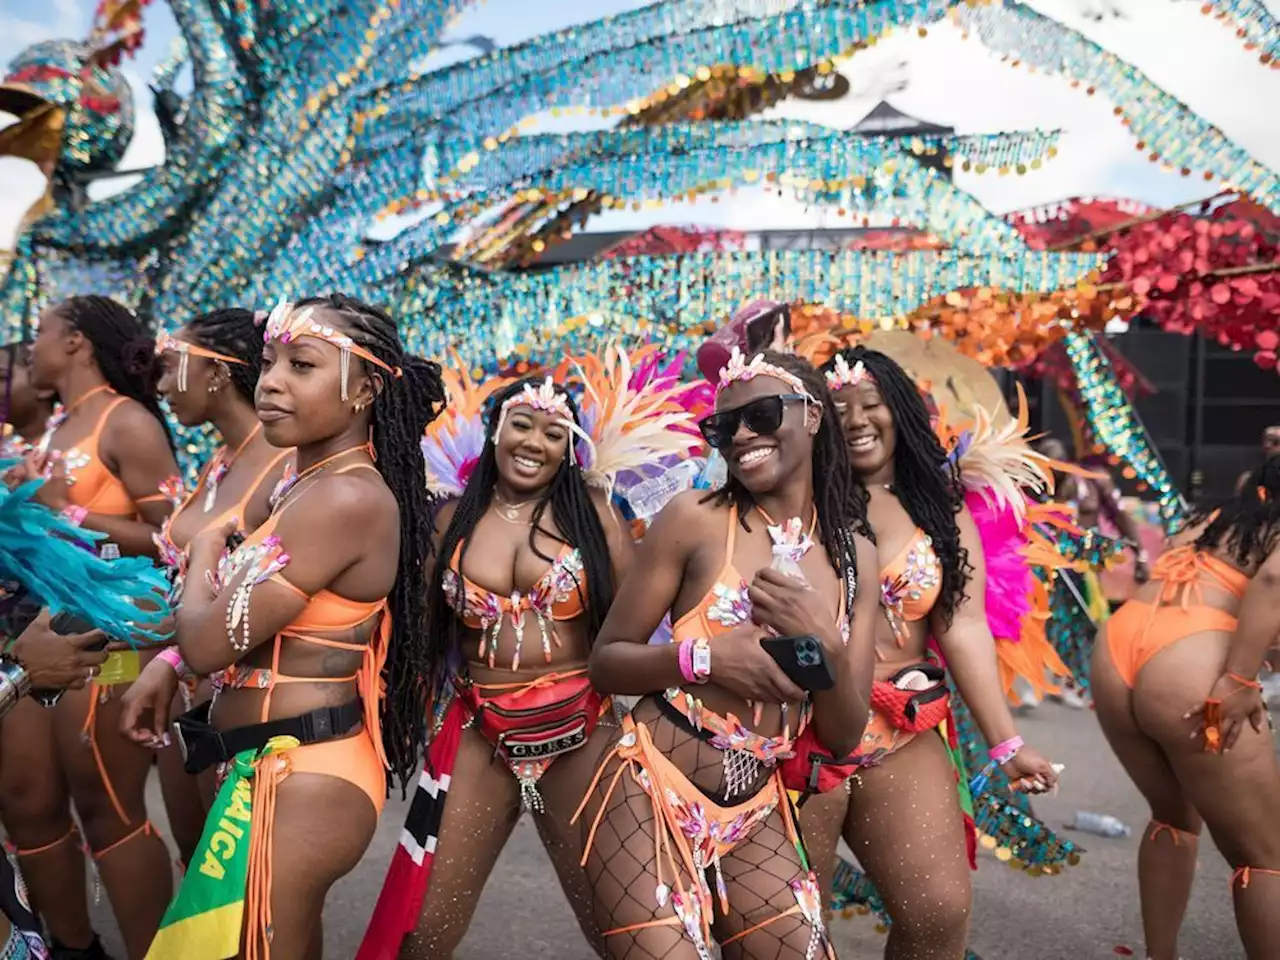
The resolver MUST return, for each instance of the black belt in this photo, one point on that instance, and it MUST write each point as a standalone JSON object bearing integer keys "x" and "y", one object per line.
{"x": 203, "y": 746}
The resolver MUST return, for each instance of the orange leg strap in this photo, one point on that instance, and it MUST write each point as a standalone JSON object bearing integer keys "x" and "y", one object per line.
{"x": 1158, "y": 828}
{"x": 34, "y": 851}
{"x": 145, "y": 830}
{"x": 761, "y": 925}
{"x": 1245, "y": 874}
{"x": 90, "y": 733}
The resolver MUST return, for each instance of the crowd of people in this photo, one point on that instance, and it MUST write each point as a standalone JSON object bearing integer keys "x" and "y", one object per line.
{"x": 694, "y": 709}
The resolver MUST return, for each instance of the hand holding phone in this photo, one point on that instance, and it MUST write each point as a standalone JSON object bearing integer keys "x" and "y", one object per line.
{"x": 803, "y": 660}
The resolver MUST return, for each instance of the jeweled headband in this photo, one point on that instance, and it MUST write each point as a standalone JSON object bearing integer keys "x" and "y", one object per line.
{"x": 185, "y": 350}
{"x": 737, "y": 369}
{"x": 842, "y": 375}
{"x": 545, "y": 398}
{"x": 285, "y": 324}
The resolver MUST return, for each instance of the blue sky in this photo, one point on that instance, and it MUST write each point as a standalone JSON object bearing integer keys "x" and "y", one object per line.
{"x": 947, "y": 80}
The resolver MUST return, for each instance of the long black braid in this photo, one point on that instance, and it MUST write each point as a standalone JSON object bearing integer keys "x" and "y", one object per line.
{"x": 840, "y": 500}
{"x": 575, "y": 516}
{"x": 925, "y": 482}
{"x": 1248, "y": 524}
{"x": 125, "y": 352}
{"x": 402, "y": 408}
{"x": 232, "y": 332}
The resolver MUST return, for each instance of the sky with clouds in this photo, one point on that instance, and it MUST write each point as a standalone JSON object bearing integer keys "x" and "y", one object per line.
{"x": 941, "y": 78}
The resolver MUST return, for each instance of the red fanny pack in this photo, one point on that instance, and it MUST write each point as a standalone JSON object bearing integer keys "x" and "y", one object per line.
{"x": 813, "y": 768}
{"x": 536, "y": 723}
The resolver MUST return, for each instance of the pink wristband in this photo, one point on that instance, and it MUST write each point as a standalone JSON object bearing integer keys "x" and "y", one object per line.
{"x": 75, "y": 514}
{"x": 686, "y": 661}
{"x": 173, "y": 658}
{"x": 1002, "y": 753}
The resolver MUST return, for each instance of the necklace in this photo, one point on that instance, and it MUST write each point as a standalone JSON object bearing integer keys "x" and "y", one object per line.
{"x": 292, "y": 478}
{"x": 222, "y": 466}
{"x": 60, "y": 414}
{"x": 511, "y": 511}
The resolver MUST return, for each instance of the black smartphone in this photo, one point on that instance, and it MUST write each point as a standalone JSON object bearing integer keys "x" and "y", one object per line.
{"x": 234, "y": 539}
{"x": 66, "y": 623}
{"x": 802, "y": 659}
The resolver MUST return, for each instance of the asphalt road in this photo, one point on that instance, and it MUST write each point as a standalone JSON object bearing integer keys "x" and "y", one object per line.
{"x": 1085, "y": 913}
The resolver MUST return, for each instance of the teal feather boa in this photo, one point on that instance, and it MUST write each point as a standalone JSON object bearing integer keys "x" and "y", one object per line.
{"x": 56, "y": 564}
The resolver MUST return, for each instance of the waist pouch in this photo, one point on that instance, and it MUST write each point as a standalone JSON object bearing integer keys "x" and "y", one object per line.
{"x": 202, "y": 745}
{"x": 534, "y": 725}
{"x": 814, "y": 769}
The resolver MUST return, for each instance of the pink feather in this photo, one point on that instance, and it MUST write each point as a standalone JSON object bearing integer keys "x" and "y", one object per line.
{"x": 1008, "y": 574}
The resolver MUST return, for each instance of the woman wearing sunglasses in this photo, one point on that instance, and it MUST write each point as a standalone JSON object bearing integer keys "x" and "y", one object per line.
{"x": 692, "y": 838}
{"x": 932, "y": 584}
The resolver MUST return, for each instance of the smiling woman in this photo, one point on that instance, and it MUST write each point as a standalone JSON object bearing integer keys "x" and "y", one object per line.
{"x": 525, "y": 574}
{"x": 705, "y": 795}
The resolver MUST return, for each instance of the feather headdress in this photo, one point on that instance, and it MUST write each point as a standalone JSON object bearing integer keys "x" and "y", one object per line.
{"x": 637, "y": 413}
{"x": 453, "y": 442}
{"x": 1004, "y": 479}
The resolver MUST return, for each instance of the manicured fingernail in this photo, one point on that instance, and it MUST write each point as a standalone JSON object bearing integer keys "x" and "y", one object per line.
{"x": 167, "y": 740}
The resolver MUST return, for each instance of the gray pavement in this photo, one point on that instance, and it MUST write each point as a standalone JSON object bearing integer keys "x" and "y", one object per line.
{"x": 1083, "y": 914}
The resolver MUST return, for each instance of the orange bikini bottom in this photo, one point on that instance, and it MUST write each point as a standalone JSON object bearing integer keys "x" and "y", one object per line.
{"x": 354, "y": 759}
{"x": 1138, "y": 631}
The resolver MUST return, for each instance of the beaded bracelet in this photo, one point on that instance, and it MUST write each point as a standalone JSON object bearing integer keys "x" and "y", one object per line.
{"x": 1002, "y": 753}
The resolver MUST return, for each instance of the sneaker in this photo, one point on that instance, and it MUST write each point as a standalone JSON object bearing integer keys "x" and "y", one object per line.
{"x": 1073, "y": 698}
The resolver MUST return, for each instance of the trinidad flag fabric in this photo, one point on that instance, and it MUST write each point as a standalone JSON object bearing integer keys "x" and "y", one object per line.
{"x": 405, "y": 887}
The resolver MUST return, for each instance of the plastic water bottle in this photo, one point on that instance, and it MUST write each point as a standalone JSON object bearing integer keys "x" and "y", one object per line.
{"x": 1099, "y": 824}
{"x": 648, "y": 497}
{"x": 109, "y": 551}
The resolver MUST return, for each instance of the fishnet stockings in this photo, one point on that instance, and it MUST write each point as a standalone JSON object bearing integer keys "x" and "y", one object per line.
{"x": 623, "y": 872}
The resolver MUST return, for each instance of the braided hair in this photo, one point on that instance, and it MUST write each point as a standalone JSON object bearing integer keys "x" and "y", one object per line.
{"x": 841, "y": 502}
{"x": 1248, "y": 524}
{"x": 235, "y": 333}
{"x": 401, "y": 411}
{"x": 926, "y": 483}
{"x": 574, "y": 513}
{"x": 125, "y": 353}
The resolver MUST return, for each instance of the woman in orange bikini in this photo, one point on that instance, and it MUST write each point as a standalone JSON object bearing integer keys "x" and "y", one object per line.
{"x": 932, "y": 584}
{"x": 692, "y": 837}
{"x": 311, "y": 628}
{"x": 1176, "y": 691}
{"x": 105, "y": 452}
{"x": 210, "y": 369}
{"x": 531, "y": 551}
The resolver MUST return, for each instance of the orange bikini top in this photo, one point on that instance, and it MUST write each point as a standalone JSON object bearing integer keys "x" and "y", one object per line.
{"x": 558, "y": 594}
{"x": 325, "y": 612}
{"x": 910, "y": 584}
{"x": 173, "y": 553}
{"x": 92, "y": 485}
{"x": 1182, "y": 571}
{"x": 724, "y": 606}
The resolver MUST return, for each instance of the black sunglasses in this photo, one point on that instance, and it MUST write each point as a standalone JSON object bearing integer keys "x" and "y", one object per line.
{"x": 762, "y": 416}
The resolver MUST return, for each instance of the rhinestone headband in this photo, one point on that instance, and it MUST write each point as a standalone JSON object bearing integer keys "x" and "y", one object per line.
{"x": 737, "y": 369}
{"x": 286, "y": 324}
{"x": 545, "y": 398}
{"x": 842, "y": 375}
{"x": 185, "y": 351}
